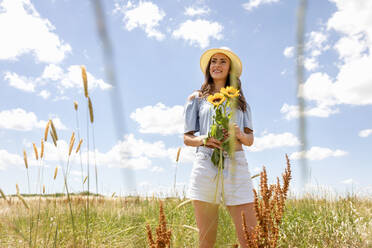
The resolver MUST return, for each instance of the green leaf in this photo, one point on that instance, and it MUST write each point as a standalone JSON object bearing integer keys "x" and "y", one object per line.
{"x": 225, "y": 145}
{"x": 215, "y": 157}
{"x": 214, "y": 130}
{"x": 219, "y": 133}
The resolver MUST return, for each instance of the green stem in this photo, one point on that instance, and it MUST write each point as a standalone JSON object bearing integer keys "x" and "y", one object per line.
{"x": 218, "y": 178}
{"x": 221, "y": 174}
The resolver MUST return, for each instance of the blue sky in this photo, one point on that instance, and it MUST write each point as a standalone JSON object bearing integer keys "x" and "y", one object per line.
{"x": 157, "y": 46}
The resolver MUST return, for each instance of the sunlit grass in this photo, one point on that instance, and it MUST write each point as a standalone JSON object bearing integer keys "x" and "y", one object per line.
{"x": 121, "y": 222}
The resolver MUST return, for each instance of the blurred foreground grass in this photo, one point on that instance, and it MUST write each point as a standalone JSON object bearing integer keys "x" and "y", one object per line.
{"x": 120, "y": 222}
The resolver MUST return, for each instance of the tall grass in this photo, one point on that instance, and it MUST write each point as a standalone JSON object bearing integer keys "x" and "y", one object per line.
{"x": 121, "y": 222}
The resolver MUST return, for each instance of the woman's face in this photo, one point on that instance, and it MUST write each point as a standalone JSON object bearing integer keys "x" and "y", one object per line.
{"x": 220, "y": 66}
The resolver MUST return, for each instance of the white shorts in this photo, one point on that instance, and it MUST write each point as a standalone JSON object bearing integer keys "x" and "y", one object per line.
{"x": 237, "y": 182}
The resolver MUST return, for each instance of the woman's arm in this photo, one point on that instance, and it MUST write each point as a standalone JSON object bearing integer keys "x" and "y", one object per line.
{"x": 245, "y": 138}
{"x": 190, "y": 139}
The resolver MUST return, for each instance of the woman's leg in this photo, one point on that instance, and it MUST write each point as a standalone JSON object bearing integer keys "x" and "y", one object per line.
{"x": 250, "y": 219}
{"x": 206, "y": 215}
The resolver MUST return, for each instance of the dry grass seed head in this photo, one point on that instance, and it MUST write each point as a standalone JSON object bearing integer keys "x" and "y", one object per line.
{"x": 178, "y": 154}
{"x": 79, "y": 145}
{"x": 2, "y": 194}
{"x": 35, "y": 150}
{"x": 85, "y": 80}
{"x": 25, "y": 158}
{"x": 85, "y": 179}
{"x": 46, "y": 131}
{"x": 42, "y": 149}
{"x": 269, "y": 208}
{"x": 163, "y": 236}
{"x": 54, "y": 130}
{"x": 76, "y": 105}
{"x": 90, "y": 110}
{"x": 23, "y": 201}
{"x": 17, "y": 188}
{"x": 53, "y": 138}
{"x": 72, "y": 142}
{"x": 149, "y": 236}
{"x": 55, "y": 173}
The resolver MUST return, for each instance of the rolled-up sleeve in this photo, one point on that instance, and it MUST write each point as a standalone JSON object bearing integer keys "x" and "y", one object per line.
{"x": 247, "y": 118}
{"x": 191, "y": 115}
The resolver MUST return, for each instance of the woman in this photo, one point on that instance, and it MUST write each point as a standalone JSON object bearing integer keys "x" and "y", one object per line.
{"x": 220, "y": 67}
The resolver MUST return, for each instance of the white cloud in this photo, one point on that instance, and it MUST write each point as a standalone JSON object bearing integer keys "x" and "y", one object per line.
{"x": 187, "y": 154}
{"x": 53, "y": 73}
{"x": 159, "y": 119}
{"x": 311, "y": 64}
{"x": 19, "y": 82}
{"x": 270, "y": 141}
{"x": 365, "y": 133}
{"x": 130, "y": 153}
{"x": 315, "y": 46}
{"x": 138, "y": 154}
{"x": 292, "y": 111}
{"x": 288, "y": 52}
{"x": 352, "y": 84}
{"x": 72, "y": 79}
{"x": 146, "y": 15}
{"x": 255, "y": 3}
{"x": 24, "y": 31}
{"x": 348, "y": 181}
{"x": 318, "y": 153}
{"x": 193, "y": 11}
{"x": 44, "y": 94}
{"x": 351, "y": 47}
{"x": 19, "y": 119}
{"x": 9, "y": 160}
{"x": 56, "y": 121}
{"x": 157, "y": 169}
{"x": 352, "y": 17}
{"x": 198, "y": 32}
{"x": 317, "y": 41}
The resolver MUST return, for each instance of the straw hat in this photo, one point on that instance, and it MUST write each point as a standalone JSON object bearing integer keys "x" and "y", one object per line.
{"x": 236, "y": 64}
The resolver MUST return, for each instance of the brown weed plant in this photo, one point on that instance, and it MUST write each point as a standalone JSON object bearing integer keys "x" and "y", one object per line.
{"x": 163, "y": 236}
{"x": 269, "y": 208}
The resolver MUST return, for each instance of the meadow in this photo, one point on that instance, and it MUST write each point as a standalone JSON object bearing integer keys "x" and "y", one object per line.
{"x": 121, "y": 222}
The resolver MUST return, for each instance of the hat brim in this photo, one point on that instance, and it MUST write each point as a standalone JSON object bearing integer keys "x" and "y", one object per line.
{"x": 236, "y": 64}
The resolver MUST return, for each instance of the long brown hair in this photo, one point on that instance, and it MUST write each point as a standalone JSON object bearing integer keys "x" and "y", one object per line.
{"x": 208, "y": 87}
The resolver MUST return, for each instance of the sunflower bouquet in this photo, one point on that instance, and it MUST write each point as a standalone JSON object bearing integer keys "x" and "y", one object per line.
{"x": 220, "y": 124}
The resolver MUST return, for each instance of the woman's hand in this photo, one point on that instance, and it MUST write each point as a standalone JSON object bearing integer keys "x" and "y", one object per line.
{"x": 211, "y": 142}
{"x": 238, "y": 132}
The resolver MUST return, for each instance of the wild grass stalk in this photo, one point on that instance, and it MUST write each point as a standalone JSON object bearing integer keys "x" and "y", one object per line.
{"x": 76, "y": 107}
{"x": 39, "y": 183}
{"x": 4, "y": 196}
{"x": 89, "y": 115}
{"x": 23, "y": 200}
{"x": 72, "y": 140}
{"x": 269, "y": 208}
{"x": 91, "y": 118}
{"x": 26, "y": 165}
{"x": 175, "y": 171}
{"x": 163, "y": 235}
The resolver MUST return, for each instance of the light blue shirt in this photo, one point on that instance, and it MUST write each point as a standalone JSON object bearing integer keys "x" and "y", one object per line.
{"x": 198, "y": 113}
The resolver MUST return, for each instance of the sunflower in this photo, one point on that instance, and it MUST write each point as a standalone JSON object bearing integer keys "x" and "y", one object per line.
{"x": 216, "y": 99}
{"x": 230, "y": 91}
